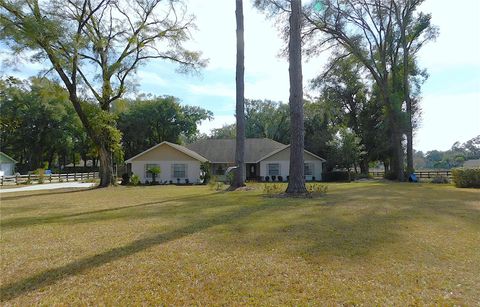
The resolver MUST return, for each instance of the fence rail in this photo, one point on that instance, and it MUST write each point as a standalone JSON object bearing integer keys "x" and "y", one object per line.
{"x": 420, "y": 174}
{"x": 47, "y": 178}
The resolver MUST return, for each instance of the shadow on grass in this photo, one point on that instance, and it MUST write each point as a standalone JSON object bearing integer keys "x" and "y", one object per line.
{"x": 48, "y": 277}
{"x": 307, "y": 228}
{"x": 46, "y": 193}
{"x": 31, "y": 221}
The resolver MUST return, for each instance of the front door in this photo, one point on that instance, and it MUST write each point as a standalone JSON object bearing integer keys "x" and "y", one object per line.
{"x": 251, "y": 171}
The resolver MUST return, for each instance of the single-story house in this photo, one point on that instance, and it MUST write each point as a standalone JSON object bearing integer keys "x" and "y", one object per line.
{"x": 263, "y": 157}
{"x": 472, "y": 163}
{"x": 7, "y": 165}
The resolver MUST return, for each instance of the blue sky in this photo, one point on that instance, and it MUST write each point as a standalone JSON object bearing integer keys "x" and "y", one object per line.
{"x": 451, "y": 96}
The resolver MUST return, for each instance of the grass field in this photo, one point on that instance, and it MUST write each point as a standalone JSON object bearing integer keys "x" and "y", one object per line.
{"x": 361, "y": 244}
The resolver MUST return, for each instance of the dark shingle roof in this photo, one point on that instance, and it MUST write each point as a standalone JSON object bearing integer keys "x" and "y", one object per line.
{"x": 223, "y": 150}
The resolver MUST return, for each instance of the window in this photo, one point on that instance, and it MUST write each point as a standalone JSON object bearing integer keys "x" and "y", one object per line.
{"x": 308, "y": 169}
{"x": 273, "y": 169}
{"x": 148, "y": 175}
{"x": 179, "y": 170}
{"x": 219, "y": 170}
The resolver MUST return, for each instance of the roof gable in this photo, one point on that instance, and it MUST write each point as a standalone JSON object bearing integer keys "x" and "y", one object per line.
{"x": 182, "y": 149}
{"x": 273, "y": 154}
{"x": 4, "y": 158}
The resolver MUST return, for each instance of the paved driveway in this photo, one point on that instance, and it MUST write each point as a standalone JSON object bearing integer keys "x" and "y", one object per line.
{"x": 49, "y": 186}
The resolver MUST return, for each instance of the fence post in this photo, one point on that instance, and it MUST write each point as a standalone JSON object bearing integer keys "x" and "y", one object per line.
{"x": 75, "y": 176}
{"x": 67, "y": 177}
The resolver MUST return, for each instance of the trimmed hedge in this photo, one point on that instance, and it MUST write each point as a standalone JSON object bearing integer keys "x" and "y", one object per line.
{"x": 466, "y": 178}
{"x": 337, "y": 176}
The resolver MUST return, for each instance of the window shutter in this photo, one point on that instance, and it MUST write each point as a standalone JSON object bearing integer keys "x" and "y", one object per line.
{"x": 186, "y": 170}
{"x": 172, "y": 171}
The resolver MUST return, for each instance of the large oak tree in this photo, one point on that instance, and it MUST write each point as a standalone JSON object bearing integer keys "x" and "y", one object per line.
{"x": 94, "y": 46}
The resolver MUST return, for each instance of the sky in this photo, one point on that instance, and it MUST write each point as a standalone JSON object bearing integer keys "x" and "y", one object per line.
{"x": 450, "y": 97}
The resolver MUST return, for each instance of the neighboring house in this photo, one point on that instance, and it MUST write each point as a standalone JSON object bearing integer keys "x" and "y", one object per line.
{"x": 7, "y": 165}
{"x": 175, "y": 162}
{"x": 472, "y": 163}
{"x": 263, "y": 157}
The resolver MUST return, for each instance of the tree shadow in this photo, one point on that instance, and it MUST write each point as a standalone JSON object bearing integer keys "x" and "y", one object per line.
{"x": 89, "y": 215}
{"x": 48, "y": 277}
{"x": 47, "y": 193}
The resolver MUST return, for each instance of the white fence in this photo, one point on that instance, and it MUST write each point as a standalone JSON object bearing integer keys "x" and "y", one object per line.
{"x": 47, "y": 178}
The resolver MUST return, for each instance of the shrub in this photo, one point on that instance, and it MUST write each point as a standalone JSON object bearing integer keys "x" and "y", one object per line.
{"x": 313, "y": 178}
{"x": 155, "y": 171}
{"x": 440, "y": 179}
{"x": 274, "y": 177}
{"x": 315, "y": 188}
{"x": 272, "y": 189}
{"x": 205, "y": 176}
{"x": 41, "y": 175}
{"x": 280, "y": 178}
{"x": 187, "y": 181}
{"x": 125, "y": 179}
{"x": 229, "y": 177}
{"x": 390, "y": 175}
{"x": 362, "y": 176}
{"x": 466, "y": 178}
{"x": 267, "y": 178}
{"x": 337, "y": 176}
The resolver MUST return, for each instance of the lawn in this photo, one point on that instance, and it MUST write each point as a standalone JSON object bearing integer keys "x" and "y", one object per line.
{"x": 361, "y": 244}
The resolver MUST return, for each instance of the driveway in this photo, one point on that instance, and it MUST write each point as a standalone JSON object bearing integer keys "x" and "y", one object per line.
{"x": 49, "y": 186}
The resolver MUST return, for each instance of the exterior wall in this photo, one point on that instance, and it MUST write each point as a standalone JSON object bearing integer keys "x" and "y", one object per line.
{"x": 283, "y": 159}
{"x": 165, "y": 157}
{"x": 285, "y": 168}
{"x": 6, "y": 169}
{"x": 166, "y": 174}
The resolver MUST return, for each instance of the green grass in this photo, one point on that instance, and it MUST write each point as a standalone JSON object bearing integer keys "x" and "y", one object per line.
{"x": 362, "y": 243}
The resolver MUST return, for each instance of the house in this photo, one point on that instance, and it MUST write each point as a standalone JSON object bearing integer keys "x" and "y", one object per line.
{"x": 472, "y": 163}
{"x": 7, "y": 165}
{"x": 175, "y": 162}
{"x": 263, "y": 157}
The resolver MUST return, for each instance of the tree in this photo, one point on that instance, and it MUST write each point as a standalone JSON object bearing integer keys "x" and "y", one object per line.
{"x": 349, "y": 148}
{"x": 239, "y": 176}
{"x": 296, "y": 183}
{"x": 94, "y": 46}
{"x": 37, "y": 125}
{"x": 414, "y": 31}
{"x": 147, "y": 122}
{"x": 365, "y": 30}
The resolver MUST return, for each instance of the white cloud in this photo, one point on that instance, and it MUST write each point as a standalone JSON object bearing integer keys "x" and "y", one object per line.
{"x": 147, "y": 77}
{"x": 219, "y": 121}
{"x": 217, "y": 89}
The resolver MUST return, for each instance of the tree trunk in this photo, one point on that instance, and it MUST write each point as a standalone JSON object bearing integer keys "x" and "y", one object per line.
{"x": 364, "y": 168}
{"x": 239, "y": 176}
{"x": 296, "y": 183}
{"x": 408, "y": 101}
{"x": 106, "y": 167}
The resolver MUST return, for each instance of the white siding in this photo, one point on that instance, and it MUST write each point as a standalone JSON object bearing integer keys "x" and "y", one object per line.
{"x": 285, "y": 168}
{"x": 7, "y": 169}
{"x": 193, "y": 170}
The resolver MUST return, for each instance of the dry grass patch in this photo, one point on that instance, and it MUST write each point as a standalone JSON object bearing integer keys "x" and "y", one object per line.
{"x": 361, "y": 244}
